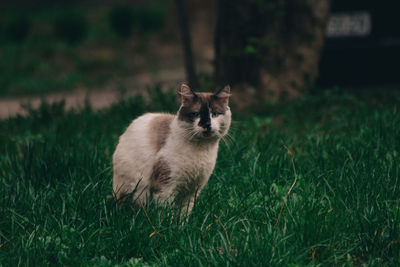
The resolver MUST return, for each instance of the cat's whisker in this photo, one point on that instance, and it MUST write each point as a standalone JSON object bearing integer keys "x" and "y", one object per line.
{"x": 186, "y": 132}
{"x": 228, "y": 138}
{"x": 225, "y": 142}
{"x": 189, "y": 136}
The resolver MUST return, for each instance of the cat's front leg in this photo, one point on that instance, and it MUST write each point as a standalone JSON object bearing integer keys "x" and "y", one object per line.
{"x": 186, "y": 205}
{"x": 179, "y": 196}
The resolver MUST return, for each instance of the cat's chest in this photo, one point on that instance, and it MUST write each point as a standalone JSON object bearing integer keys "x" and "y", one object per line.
{"x": 197, "y": 170}
{"x": 189, "y": 162}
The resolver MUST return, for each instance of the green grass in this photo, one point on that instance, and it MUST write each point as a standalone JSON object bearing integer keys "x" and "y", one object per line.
{"x": 56, "y": 175}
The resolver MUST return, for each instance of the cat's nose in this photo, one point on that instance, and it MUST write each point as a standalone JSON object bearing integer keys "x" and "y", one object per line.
{"x": 206, "y": 125}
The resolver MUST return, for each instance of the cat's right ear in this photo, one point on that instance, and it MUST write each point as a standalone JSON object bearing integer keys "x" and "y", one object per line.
{"x": 187, "y": 94}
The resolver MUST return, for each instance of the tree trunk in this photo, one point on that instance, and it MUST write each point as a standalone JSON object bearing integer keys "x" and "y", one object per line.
{"x": 273, "y": 46}
{"x": 187, "y": 44}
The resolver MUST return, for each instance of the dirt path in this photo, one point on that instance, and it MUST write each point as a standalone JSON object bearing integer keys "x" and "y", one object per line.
{"x": 11, "y": 106}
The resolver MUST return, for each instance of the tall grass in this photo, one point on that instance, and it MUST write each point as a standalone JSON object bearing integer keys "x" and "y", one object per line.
{"x": 344, "y": 209}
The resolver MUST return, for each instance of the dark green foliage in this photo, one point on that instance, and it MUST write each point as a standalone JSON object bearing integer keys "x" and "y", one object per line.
{"x": 150, "y": 18}
{"x": 16, "y": 29}
{"x": 121, "y": 21}
{"x": 52, "y": 48}
{"x": 141, "y": 19}
{"x": 72, "y": 27}
{"x": 56, "y": 172}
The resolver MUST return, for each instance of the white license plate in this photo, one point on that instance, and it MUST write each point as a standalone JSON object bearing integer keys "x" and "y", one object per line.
{"x": 349, "y": 24}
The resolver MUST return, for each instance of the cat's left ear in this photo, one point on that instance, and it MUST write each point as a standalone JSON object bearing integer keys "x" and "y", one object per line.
{"x": 223, "y": 94}
{"x": 187, "y": 94}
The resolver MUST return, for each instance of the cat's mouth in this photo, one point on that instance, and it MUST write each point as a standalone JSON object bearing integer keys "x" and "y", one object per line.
{"x": 207, "y": 133}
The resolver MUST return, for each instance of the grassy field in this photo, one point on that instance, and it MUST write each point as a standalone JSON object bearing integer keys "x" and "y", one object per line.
{"x": 344, "y": 208}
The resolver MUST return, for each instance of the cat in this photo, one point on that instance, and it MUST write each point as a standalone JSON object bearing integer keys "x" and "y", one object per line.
{"x": 169, "y": 158}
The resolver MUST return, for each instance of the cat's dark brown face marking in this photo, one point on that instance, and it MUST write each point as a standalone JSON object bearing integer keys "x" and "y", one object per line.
{"x": 201, "y": 104}
{"x": 160, "y": 176}
{"x": 203, "y": 114}
{"x": 159, "y": 130}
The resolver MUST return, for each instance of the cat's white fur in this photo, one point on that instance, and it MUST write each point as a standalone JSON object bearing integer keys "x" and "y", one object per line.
{"x": 189, "y": 157}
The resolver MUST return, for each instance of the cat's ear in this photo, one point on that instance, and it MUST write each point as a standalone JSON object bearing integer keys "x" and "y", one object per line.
{"x": 187, "y": 94}
{"x": 223, "y": 94}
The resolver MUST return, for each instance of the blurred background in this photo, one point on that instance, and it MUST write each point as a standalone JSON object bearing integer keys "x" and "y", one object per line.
{"x": 267, "y": 50}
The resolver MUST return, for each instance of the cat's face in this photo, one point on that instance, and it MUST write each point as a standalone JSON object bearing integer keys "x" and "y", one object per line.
{"x": 204, "y": 116}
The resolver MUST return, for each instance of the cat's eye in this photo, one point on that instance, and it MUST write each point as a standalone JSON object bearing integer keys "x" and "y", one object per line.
{"x": 194, "y": 114}
{"x": 215, "y": 114}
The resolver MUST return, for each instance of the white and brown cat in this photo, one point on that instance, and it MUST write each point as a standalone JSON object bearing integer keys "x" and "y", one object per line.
{"x": 170, "y": 157}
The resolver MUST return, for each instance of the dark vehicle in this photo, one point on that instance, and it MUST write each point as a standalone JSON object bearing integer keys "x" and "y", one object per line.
{"x": 362, "y": 45}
